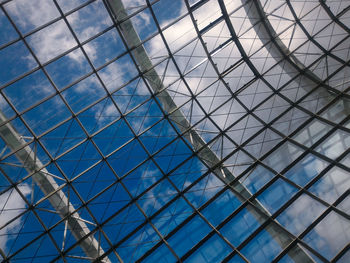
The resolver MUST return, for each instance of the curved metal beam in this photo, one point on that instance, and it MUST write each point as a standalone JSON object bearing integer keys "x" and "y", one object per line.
{"x": 267, "y": 33}
{"x": 50, "y": 188}
{"x": 204, "y": 151}
{"x": 281, "y": 236}
{"x": 335, "y": 18}
{"x": 311, "y": 38}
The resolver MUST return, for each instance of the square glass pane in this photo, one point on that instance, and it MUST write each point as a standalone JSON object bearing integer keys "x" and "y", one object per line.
{"x": 14, "y": 61}
{"x": 300, "y": 214}
{"x": 46, "y": 115}
{"x": 172, "y": 216}
{"x": 194, "y": 231}
{"x": 330, "y": 235}
{"x": 213, "y": 250}
{"x": 51, "y": 41}
{"x": 256, "y": 178}
{"x": 8, "y": 32}
{"x": 335, "y": 144}
{"x": 89, "y": 20}
{"x": 312, "y": 133}
{"x": 68, "y": 68}
{"x": 29, "y": 15}
{"x": 276, "y": 195}
{"x": 104, "y": 48}
{"x": 221, "y": 207}
{"x": 265, "y": 246}
{"x": 306, "y": 169}
{"x": 84, "y": 93}
{"x": 283, "y": 156}
{"x": 332, "y": 185}
{"x": 242, "y": 225}
{"x": 29, "y": 90}
{"x": 161, "y": 254}
{"x": 67, "y": 5}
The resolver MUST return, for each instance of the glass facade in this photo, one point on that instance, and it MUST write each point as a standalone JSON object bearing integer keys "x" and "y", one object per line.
{"x": 174, "y": 131}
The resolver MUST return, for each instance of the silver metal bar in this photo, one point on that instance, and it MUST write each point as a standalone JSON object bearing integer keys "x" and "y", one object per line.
{"x": 48, "y": 186}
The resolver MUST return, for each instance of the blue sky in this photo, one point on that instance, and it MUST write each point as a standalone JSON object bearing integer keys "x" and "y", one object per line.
{"x": 99, "y": 115}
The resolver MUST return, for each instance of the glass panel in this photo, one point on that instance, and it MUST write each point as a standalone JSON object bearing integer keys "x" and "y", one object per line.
{"x": 8, "y": 32}
{"x": 104, "y": 48}
{"x": 335, "y": 144}
{"x": 69, "y": 68}
{"x": 14, "y": 61}
{"x": 213, "y": 250}
{"x": 135, "y": 246}
{"x": 223, "y": 206}
{"x": 263, "y": 247}
{"x": 345, "y": 205}
{"x": 194, "y": 231}
{"x": 28, "y": 15}
{"x": 346, "y": 160}
{"x": 241, "y": 226}
{"x": 172, "y": 216}
{"x": 283, "y": 156}
{"x": 47, "y": 115}
{"x": 306, "y": 169}
{"x": 337, "y": 112}
{"x": 312, "y": 133}
{"x": 68, "y": 5}
{"x": 51, "y": 41}
{"x": 161, "y": 254}
{"x": 257, "y": 178}
{"x": 276, "y": 195}
{"x": 89, "y": 20}
{"x": 330, "y": 235}
{"x": 300, "y": 214}
{"x": 29, "y": 90}
{"x": 84, "y": 93}
{"x": 333, "y": 184}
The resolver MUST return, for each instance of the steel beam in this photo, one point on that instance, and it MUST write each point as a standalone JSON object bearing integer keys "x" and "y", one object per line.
{"x": 50, "y": 188}
{"x": 267, "y": 34}
{"x": 281, "y": 236}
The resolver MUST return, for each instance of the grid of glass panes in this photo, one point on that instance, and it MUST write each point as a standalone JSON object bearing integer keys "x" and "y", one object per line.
{"x": 71, "y": 87}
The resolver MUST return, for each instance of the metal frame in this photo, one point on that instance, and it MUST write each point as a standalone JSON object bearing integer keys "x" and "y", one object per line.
{"x": 185, "y": 133}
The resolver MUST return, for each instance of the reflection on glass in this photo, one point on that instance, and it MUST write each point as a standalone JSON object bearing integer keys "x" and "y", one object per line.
{"x": 263, "y": 247}
{"x": 306, "y": 169}
{"x": 332, "y": 185}
{"x": 240, "y": 227}
{"x": 330, "y": 235}
{"x": 194, "y": 231}
{"x": 283, "y": 156}
{"x": 300, "y": 214}
{"x": 276, "y": 195}
{"x": 213, "y": 250}
{"x": 222, "y": 207}
{"x": 335, "y": 144}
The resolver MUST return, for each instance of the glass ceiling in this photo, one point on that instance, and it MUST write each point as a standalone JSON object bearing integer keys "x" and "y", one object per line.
{"x": 174, "y": 131}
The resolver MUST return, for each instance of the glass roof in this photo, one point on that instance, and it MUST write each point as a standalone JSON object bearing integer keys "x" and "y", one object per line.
{"x": 174, "y": 131}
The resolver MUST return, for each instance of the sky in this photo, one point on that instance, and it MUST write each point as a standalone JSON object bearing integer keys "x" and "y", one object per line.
{"x": 80, "y": 110}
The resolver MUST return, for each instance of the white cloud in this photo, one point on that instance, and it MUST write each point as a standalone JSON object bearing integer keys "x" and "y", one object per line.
{"x": 52, "y": 41}
{"x": 31, "y": 14}
{"x": 56, "y": 38}
{"x": 67, "y": 5}
{"x": 12, "y": 205}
